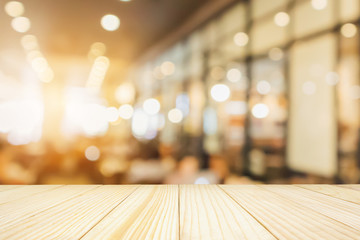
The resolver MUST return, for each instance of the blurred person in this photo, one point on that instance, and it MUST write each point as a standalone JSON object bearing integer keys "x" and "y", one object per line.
{"x": 219, "y": 166}
{"x": 188, "y": 172}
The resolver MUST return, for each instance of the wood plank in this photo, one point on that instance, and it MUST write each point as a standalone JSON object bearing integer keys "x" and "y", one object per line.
{"x": 8, "y": 187}
{"x": 70, "y": 219}
{"x": 23, "y": 191}
{"x": 151, "y": 212}
{"x": 347, "y": 194}
{"x": 18, "y": 210}
{"x": 206, "y": 212}
{"x": 337, "y": 209}
{"x": 351, "y": 186}
{"x": 288, "y": 219}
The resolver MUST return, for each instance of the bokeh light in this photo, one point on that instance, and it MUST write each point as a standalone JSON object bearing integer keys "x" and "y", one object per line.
{"x": 29, "y": 42}
{"x": 220, "y": 92}
{"x": 21, "y": 24}
{"x": 319, "y": 4}
{"x": 14, "y": 8}
{"x": 125, "y": 93}
{"x": 126, "y": 111}
{"x": 167, "y": 68}
{"x": 92, "y": 153}
{"x": 151, "y": 106}
{"x": 260, "y": 110}
{"x": 234, "y": 75}
{"x": 276, "y": 54}
{"x": 110, "y": 22}
{"x": 263, "y": 87}
{"x": 175, "y": 115}
{"x": 348, "y": 30}
{"x": 112, "y": 114}
{"x": 241, "y": 39}
{"x": 282, "y": 19}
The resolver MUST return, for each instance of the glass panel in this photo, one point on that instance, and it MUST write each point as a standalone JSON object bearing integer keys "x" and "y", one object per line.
{"x": 306, "y": 19}
{"x": 312, "y": 125}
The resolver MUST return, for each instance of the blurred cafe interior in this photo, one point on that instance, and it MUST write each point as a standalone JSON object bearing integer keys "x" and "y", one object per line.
{"x": 179, "y": 91}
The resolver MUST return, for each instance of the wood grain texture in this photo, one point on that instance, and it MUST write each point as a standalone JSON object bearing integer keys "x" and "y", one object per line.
{"x": 345, "y": 212}
{"x": 173, "y": 212}
{"x": 288, "y": 219}
{"x": 70, "y": 219}
{"x": 151, "y": 212}
{"x": 23, "y": 191}
{"x": 347, "y": 194}
{"x": 206, "y": 212}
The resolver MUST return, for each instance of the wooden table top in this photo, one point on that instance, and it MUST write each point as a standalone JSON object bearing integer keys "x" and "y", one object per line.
{"x": 180, "y": 212}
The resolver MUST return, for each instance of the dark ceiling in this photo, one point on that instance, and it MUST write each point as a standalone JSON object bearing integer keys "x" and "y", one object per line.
{"x": 69, "y": 27}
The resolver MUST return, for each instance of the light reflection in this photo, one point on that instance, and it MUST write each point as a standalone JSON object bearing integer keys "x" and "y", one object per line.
{"x": 112, "y": 114}
{"x": 220, "y": 92}
{"x": 110, "y": 22}
{"x": 348, "y": 30}
{"x": 319, "y": 4}
{"x": 140, "y": 123}
{"x": 201, "y": 180}
{"x": 241, "y": 39}
{"x": 22, "y": 120}
{"x": 125, "y": 93}
{"x": 126, "y": 111}
{"x": 175, "y": 115}
{"x": 183, "y": 103}
{"x": 263, "y": 87}
{"x": 14, "y": 8}
{"x": 260, "y": 110}
{"x": 276, "y": 54}
{"x": 92, "y": 153}
{"x": 233, "y": 75}
{"x": 29, "y": 42}
{"x": 282, "y": 19}
{"x": 21, "y": 24}
{"x": 151, "y": 106}
{"x": 167, "y": 68}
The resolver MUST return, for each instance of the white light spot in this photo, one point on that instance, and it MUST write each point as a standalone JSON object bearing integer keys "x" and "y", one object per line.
{"x": 276, "y": 54}
{"x": 14, "y": 8}
{"x": 233, "y": 75}
{"x": 260, "y": 110}
{"x": 220, "y": 92}
{"x": 92, "y": 153}
{"x": 241, "y": 39}
{"x": 319, "y": 4}
{"x": 126, "y": 111}
{"x": 151, "y": 106}
{"x": 167, "y": 68}
{"x": 201, "y": 180}
{"x": 125, "y": 93}
{"x": 348, "y": 30}
{"x": 110, "y": 22}
{"x": 175, "y": 115}
{"x": 263, "y": 87}
{"x": 282, "y": 19}
{"x": 112, "y": 114}
{"x": 21, "y": 24}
